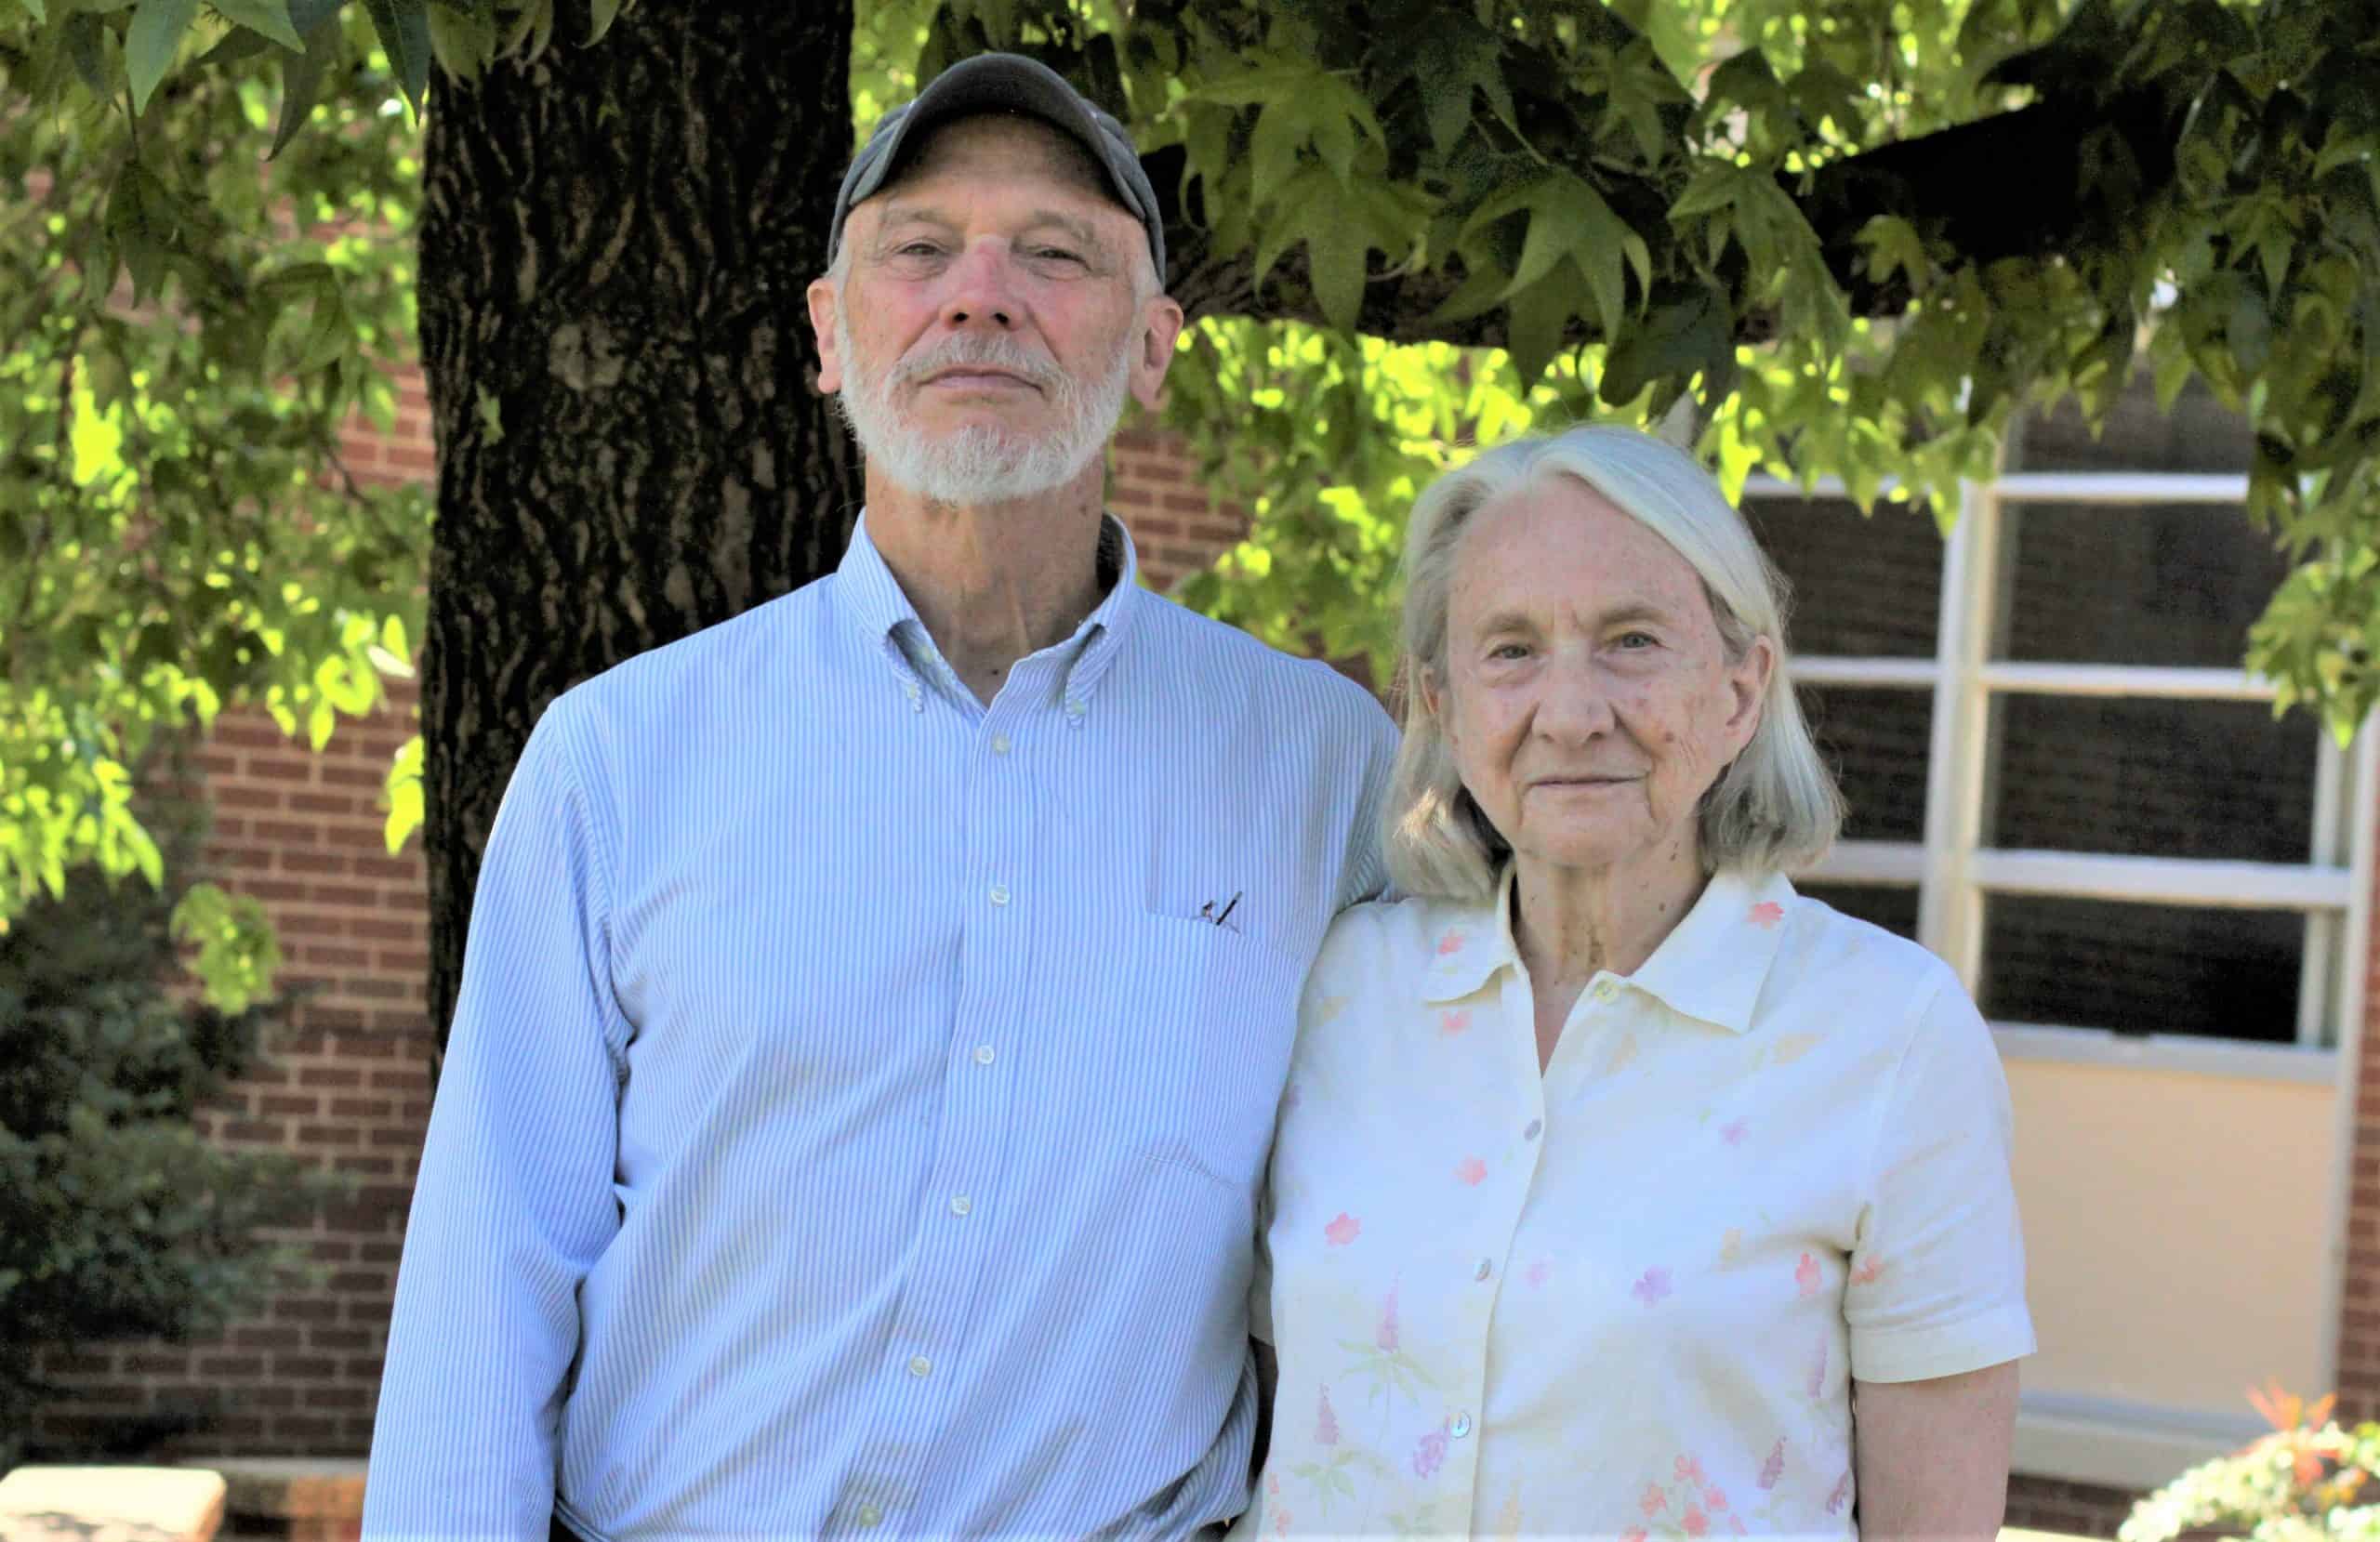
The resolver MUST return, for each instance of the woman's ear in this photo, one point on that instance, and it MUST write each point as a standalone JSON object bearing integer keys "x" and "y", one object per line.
{"x": 1748, "y": 680}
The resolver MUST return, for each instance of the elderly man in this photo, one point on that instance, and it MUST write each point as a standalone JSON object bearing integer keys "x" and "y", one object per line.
{"x": 876, "y": 1006}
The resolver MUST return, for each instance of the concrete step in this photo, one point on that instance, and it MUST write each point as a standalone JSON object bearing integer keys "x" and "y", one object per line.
{"x": 290, "y": 1498}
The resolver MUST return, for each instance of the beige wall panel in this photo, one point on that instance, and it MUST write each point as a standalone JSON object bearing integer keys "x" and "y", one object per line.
{"x": 2175, "y": 1230}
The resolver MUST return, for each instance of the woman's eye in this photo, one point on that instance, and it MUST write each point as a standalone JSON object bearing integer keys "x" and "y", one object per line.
{"x": 1508, "y": 651}
{"x": 1635, "y": 643}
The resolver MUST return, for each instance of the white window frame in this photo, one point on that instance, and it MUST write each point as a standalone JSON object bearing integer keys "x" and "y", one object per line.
{"x": 1953, "y": 870}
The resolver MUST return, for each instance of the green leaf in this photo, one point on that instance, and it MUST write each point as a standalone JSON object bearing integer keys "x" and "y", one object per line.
{"x": 1681, "y": 336}
{"x": 156, "y": 30}
{"x": 266, "y": 18}
{"x": 402, "y": 27}
{"x": 403, "y": 789}
{"x": 87, "y": 45}
{"x": 302, "y": 82}
{"x": 1534, "y": 324}
{"x": 1334, "y": 250}
{"x": 600, "y": 17}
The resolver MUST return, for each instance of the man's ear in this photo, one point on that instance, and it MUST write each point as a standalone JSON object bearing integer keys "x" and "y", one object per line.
{"x": 822, "y": 301}
{"x": 1160, "y": 326}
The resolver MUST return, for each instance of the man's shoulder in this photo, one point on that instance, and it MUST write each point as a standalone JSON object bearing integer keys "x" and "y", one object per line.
{"x": 1213, "y": 649}
{"x": 776, "y": 633}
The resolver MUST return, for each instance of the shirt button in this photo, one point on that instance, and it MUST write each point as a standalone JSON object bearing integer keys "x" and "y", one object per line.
{"x": 1535, "y": 1128}
{"x": 1606, "y": 990}
{"x": 869, "y": 1516}
{"x": 999, "y": 744}
{"x": 1461, "y": 1426}
{"x": 984, "y": 1054}
{"x": 1487, "y": 1267}
{"x": 960, "y": 1204}
{"x": 999, "y": 893}
{"x": 919, "y": 1365}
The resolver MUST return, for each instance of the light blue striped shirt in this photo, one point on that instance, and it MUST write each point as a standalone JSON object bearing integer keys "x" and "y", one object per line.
{"x": 852, "y": 1122}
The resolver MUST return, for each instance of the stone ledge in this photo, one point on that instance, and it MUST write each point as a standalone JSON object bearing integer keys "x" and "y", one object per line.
{"x": 110, "y": 1504}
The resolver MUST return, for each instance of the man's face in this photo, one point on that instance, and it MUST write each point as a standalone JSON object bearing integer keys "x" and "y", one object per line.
{"x": 992, "y": 313}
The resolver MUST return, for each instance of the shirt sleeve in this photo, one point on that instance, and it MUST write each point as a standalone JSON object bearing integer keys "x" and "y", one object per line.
{"x": 1366, "y": 869}
{"x": 1937, "y": 1271}
{"x": 514, "y": 1201}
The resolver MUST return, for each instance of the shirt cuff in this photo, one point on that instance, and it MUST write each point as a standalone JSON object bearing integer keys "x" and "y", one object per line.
{"x": 1991, "y": 1337}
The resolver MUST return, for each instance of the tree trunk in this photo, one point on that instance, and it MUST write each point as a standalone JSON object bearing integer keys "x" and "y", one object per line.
{"x": 615, "y": 241}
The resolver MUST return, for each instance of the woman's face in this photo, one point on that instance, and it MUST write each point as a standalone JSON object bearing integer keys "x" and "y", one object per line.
{"x": 1587, "y": 695}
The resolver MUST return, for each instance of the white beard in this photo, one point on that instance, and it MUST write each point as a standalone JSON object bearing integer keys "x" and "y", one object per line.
{"x": 982, "y": 463}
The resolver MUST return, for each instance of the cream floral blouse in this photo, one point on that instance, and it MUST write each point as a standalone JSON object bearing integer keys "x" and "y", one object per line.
{"x": 1626, "y": 1299}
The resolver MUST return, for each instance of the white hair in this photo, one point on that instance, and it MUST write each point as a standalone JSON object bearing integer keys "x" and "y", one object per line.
{"x": 1774, "y": 807}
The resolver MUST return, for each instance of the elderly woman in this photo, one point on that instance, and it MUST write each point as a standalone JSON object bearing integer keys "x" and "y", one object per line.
{"x": 1614, "y": 1177}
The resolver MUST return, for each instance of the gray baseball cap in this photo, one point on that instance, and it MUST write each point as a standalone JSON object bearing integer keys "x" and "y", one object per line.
{"x": 1005, "y": 83}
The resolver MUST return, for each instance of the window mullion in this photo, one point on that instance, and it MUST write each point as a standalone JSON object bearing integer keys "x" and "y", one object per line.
{"x": 1949, "y": 907}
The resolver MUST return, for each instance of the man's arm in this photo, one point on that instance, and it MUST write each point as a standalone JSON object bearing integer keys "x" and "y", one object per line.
{"x": 1933, "y": 1455}
{"x": 514, "y": 1201}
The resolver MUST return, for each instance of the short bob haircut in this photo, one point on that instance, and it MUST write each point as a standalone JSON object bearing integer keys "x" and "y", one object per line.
{"x": 1773, "y": 808}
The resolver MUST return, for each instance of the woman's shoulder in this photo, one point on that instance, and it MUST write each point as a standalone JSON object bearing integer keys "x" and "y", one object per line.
{"x": 1391, "y": 947}
{"x": 1856, "y": 962}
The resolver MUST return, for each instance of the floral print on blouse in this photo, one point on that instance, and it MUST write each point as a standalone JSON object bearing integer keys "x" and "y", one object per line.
{"x": 1627, "y": 1298}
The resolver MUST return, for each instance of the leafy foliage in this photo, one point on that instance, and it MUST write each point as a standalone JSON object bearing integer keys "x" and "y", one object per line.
{"x": 183, "y": 336}
{"x": 1849, "y": 240}
{"x": 116, "y": 1220}
{"x": 2309, "y": 1481}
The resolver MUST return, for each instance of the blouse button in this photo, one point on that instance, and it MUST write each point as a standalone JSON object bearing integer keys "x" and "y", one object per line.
{"x": 1487, "y": 1267}
{"x": 1461, "y": 1426}
{"x": 1535, "y": 1127}
{"x": 1606, "y": 990}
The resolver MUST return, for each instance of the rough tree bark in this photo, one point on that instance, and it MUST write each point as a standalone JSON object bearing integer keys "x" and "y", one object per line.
{"x": 615, "y": 241}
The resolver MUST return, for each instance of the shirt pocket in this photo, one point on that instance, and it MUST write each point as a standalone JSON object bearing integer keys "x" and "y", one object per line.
{"x": 1189, "y": 1066}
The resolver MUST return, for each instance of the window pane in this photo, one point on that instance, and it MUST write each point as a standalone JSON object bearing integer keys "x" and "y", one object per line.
{"x": 2199, "y": 434}
{"x": 2174, "y": 584}
{"x": 1893, "y": 909}
{"x": 1862, "y": 587}
{"x": 1875, "y": 742}
{"x": 2142, "y": 968}
{"x": 2154, "y": 777}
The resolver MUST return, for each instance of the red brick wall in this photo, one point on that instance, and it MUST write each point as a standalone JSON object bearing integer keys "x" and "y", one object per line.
{"x": 2358, "y": 1385}
{"x": 2047, "y": 1504}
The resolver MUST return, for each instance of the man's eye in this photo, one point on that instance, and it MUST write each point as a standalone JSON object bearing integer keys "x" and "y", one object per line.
{"x": 917, "y": 248}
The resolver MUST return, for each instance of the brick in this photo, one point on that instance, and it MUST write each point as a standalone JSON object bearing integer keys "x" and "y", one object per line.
{"x": 330, "y": 1076}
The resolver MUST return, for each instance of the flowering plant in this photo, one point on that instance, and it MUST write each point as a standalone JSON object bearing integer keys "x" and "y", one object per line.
{"x": 2309, "y": 1481}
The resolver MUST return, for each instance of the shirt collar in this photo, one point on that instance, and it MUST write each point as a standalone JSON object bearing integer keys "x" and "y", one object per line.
{"x": 1711, "y": 967}
{"x": 872, "y": 597}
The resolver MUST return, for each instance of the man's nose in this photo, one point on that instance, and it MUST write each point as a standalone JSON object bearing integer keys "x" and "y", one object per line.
{"x": 979, "y": 292}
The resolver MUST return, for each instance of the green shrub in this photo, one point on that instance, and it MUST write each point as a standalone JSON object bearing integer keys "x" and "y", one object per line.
{"x": 116, "y": 1219}
{"x": 2309, "y": 1481}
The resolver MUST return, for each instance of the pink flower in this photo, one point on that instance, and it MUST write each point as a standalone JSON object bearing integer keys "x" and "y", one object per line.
{"x": 1736, "y": 1524}
{"x": 1325, "y": 1423}
{"x": 1653, "y": 1287}
{"x": 1470, "y": 1170}
{"x": 1633, "y": 1534}
{"x": 1819, "y": 1363}
{"x": 1734, "y": 1131}
{"x": 1773, "y": 1469}
{"x": 1344, "y": 1230}
{"x": 1842, "y": 1495}
{"x": 1538, "y": 1272}
{"x": 1451, "y": 942}
{"x": 1697, "y": 1524}
{"x": 1688, "y": 1471}
{"x": 1714, "y": 1500}
{"x": 1867, "y": 1273}
{"x": 1386, "y": 1335}
{"x": 1452, "y": 1023}
{"x": 1654, "y": 1502}
{"x": 1430, "y": 1453}
{"x": 1766, "y": 914}
{"x": 1805, "y": 1274}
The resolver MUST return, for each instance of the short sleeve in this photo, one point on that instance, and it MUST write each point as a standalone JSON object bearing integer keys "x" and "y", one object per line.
{"x": 1937, "y": 1271}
